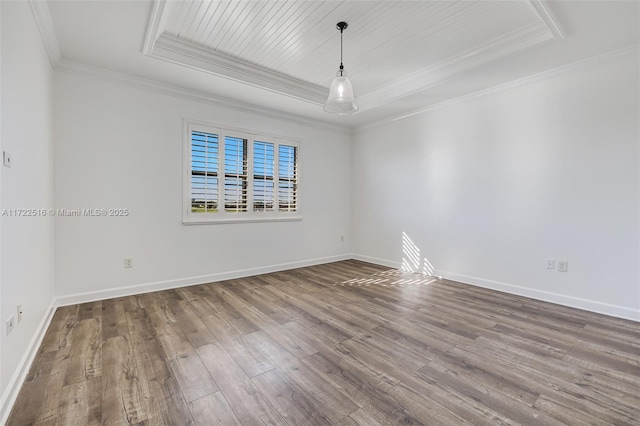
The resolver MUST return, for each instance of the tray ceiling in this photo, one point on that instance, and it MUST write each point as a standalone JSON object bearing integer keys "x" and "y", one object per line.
{"x": 278, "y": 57}
{"x": 391, "y": 49}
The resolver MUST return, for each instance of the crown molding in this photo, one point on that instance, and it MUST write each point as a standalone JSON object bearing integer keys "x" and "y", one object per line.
{"x": 192, "y": 55}
{"x": 72, "y": 67}
{"x": 426, "y": 78}
{"x": 157, "y": 23}
{"x": 578, "y": 66}
{"x": 544, "y": 12}
{"x": 42, "y": 16}
{"x": 157, "y": 44}
{"x": 170, "y": 48}
{"x": 185, "y": 53}
{"x": 161, "y": 8}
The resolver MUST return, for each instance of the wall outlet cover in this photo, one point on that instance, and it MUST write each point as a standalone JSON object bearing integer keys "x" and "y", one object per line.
{"x": 10, "y": 324}
{"x": 563, "y": 266}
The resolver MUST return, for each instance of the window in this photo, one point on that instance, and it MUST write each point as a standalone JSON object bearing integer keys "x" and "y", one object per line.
{"x": 234, "y": 176}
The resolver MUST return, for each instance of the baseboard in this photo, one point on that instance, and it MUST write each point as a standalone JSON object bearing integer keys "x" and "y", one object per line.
{"x": 13, "y": 388}
{"x": 377, "y": 261}
{"x": 93, "y": 296}
{"x": 545, "y": 296}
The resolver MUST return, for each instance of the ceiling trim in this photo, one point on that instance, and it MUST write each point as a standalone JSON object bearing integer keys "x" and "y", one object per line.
{"x": 438, "y": 73}
{"x": 192, "y": 55}
{"x": 173, "y": 49}
{"x": 163, "y": 88}
{"x": 44, "y": 22}
{"x": 632, "y": 51}
{"x": 543, "y": 11}
{"x": 42, "y": 16}
{"x": 157, "y": 22}
{"x": 185, "y": 53}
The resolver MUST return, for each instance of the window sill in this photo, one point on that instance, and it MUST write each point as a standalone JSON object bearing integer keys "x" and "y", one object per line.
{"x": 240, "y": 220}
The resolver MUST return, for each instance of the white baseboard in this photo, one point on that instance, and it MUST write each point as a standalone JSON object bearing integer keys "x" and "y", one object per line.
{"x": 546, "y": 296}
{"x": 13, "y": 388}
{"x": 73, "y": 299}
{"x": 377, "y": 261}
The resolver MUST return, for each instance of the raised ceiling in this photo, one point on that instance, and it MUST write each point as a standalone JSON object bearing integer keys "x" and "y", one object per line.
{"x": 282, "y": 55}
{"x": 392, "y": 48}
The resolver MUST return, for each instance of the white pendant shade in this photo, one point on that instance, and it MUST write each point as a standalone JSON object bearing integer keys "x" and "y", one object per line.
{"x": 341, "y": 99}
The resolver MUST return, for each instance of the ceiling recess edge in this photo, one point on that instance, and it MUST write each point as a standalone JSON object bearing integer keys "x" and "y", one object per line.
{"x": 168, "y": 47}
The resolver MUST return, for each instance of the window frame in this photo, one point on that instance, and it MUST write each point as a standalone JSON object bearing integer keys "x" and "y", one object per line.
{"x": 222, "y": 216}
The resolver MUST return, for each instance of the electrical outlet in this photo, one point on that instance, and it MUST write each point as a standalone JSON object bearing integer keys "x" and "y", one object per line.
{"x": 10, "y": 324}
{"x": 6, "y": 159}
{"x": 563, "y": 266}
{"x": 550, "y": 264}
{"x": 128, "y": 262}
{"x": 19, "y": 313}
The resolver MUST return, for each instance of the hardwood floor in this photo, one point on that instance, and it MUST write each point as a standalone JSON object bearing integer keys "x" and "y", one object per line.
{"x": 347, "y": 343}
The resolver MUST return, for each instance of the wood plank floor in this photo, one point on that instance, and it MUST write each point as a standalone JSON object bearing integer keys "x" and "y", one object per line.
{"x": 347, "y": 343}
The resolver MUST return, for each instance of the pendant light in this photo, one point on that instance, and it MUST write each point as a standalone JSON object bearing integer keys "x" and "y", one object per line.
{"x": 341, "y": 100}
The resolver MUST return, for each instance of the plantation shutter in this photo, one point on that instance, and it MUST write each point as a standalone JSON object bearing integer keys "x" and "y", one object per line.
{"x": 287, "y": 178}
{"x": 235, "y": 174}
{"x": 263, "y": 176}
{"x": 204, "y": 172}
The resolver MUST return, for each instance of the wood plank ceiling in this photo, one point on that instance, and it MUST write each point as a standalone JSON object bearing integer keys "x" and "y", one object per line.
{"x": 391, "y": 48}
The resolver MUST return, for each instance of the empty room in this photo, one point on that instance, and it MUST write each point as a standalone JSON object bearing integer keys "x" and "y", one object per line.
{"x": 288, "y": 212}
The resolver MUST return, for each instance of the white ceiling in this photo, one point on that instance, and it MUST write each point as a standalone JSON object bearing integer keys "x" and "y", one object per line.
{"x": 282, "y": 55}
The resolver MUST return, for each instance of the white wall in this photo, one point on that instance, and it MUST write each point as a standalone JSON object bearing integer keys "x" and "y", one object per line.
{"x": 27, "y": 133}
{"x": 121, "y": 147}
{"x": 2, "y": 387}
{"x": 487, "y": 188}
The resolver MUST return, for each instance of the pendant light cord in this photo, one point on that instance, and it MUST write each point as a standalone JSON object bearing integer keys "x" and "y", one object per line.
{"x": 341, "y": 66}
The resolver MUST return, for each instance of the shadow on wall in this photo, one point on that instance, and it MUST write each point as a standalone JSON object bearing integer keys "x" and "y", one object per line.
{"x": 411, "y": 260}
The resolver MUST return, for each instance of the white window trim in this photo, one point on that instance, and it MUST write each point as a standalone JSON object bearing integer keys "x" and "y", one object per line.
{"x": 219, "y": 217}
